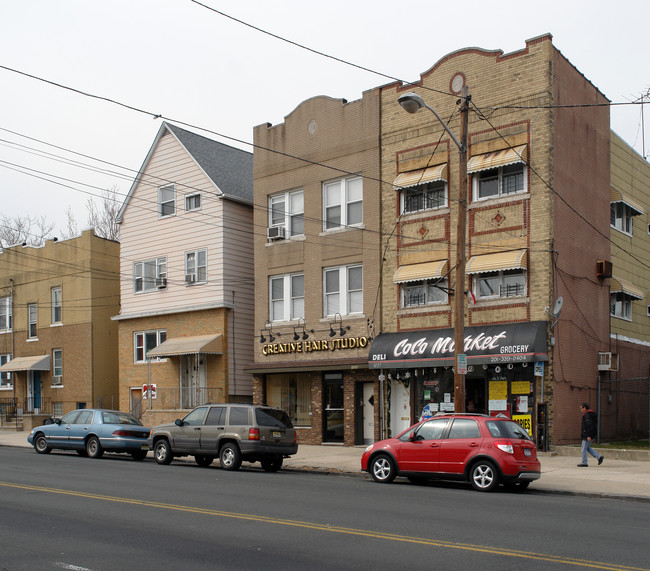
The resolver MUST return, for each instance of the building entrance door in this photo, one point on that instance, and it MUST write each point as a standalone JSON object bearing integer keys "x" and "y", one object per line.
{"x": 333, "y": 407}
{"x": 193, "y": 379}
{"x": 368, "y": 412}
{"x": 34, "y": 392}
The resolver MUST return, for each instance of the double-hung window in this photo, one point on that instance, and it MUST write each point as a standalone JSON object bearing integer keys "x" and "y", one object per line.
{"x": 343, "y": 290}
{"x": 57, "y": 301}
{"x": 621, "y": 217}
{"x": 192, "y": 202}
{"x": 5, "y": 378}
{"x": 287, "y": 297}
{"x": 287, "y": 212}
{"x": 620, "y": 305}
{"x": 427, "y": 196}
{"x": 32, "y": 315}
{"x": 57, "y": 367}
{"x": 144, "y": 341}
{"x": 424, "y": 292}
{"x": 501, "y": 181}
{"x": 502, "y": 283}
{"x": 166, "y": 201}
{"x": 5, "y": 313}
{"x": 150, "y": 275}
{"x": 343, "y": 202}
{"x": 196, "y": 266}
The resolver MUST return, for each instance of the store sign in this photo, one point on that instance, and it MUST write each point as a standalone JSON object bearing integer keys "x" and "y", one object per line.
{"x": 490, "y": 344}
{"x": 316, "y": 345}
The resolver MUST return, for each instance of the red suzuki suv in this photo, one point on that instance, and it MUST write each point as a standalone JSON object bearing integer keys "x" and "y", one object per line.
{"x": 483, "y": 450}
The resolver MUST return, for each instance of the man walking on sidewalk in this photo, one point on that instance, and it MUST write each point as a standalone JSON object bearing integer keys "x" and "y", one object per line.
{"x": 587, "y": 433}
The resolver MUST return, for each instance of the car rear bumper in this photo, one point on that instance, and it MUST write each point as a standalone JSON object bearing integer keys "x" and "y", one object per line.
{"x": 257, "y": 449}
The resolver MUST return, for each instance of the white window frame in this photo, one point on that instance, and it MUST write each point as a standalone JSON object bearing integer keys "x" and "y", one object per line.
{"x": 289, "y": 304}
{"x": 501, "y": 279}
{"x": 6, "y": 314}
{"x": 32, "y": 321}
{"x": 499, "y": 176}
{"x": 430, "y": 289}
{"x": 57, "y": 364}
{"x": 343, "y": 195}
{"x": 165, "y": 202}
{"x": 197, "y": 266}
{"x": 620, "y": 306}
{"x": 157, "y": 270}
{"x": 337, "y": 280}
{"x": 192, "y": 202}
{"x": 287, "y": 210}
{"x": 140, "y": 344}
{"x": 6, "y": 379}
{"x": 621, "y": 216}
{"x": 423, "y": 193}
{"x": 57, "y": 305}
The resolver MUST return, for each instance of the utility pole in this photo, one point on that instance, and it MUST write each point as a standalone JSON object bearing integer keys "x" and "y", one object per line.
{"x": 461, "y": 228}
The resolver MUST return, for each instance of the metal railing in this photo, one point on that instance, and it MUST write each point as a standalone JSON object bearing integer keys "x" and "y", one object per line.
{"x": 176, "y": 398}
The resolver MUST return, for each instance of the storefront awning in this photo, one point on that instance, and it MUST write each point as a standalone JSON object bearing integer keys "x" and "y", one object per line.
{"x": 421, "y": 176}
{"x": 498, "y": 159}
{"x": 33, "y": 363}
{"x": 490, "y": 344}
{"x": 211, "y": 344}
{"x": 617, "y": 196}
{"x": 618, "y": 285}
{"x": 510, "y": 260}
{"x": 423, "y": 271}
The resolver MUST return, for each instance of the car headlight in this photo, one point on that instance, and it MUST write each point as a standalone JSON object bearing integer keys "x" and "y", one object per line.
{"x": 369, "y": 448}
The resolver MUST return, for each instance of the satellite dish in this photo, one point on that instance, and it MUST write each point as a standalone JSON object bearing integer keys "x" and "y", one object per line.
{"x": 557, "y": 307}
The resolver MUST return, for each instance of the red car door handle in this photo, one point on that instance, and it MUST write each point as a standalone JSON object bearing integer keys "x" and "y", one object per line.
{"x": 473, "y": 444}
{"x": 435, "y": 445}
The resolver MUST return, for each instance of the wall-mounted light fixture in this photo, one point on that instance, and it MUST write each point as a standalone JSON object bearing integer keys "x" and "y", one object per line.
{"x": 301, "y": 324}
{"x": 338, "y": 320}
{"x": 268, "y": 328}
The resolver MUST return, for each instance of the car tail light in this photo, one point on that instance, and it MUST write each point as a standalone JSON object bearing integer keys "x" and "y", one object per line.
{"x": 505, "y": 446}
{"x": 130, "y": 433}
{"x": 253, "y": 433}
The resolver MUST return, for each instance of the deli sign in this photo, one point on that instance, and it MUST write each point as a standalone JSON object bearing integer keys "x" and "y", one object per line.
{"x": 505, "y": 343}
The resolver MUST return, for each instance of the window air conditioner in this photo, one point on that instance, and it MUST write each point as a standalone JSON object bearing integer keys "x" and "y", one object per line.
{"x": 607, "y": 361}
{"x": 275, "y": 233}
{"x": 161, "y": 283}
{"x": 603, "y": 269}
{"x": 57, "y": 380}
{"x": 190, "y": 278}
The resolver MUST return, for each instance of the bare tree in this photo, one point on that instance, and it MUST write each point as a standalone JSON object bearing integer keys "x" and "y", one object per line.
{"x": 31, "y": 231}
{"x": 72, "y": 230}
{"x": 102, "y": 219}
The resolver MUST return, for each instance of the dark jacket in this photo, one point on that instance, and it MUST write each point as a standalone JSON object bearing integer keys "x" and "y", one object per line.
{"x": 589, "y": 425}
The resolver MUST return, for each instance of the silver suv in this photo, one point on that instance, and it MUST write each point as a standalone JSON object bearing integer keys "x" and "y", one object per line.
{"x": 230, "y": 432}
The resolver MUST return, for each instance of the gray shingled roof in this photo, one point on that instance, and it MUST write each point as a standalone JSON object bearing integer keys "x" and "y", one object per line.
{"x": 230, "y": 169}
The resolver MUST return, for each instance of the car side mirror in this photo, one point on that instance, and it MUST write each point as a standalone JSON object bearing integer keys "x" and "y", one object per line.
{"x": 412, "y": 437}
{"x": 57, "y": 421}
{"x": 178, "y": 422}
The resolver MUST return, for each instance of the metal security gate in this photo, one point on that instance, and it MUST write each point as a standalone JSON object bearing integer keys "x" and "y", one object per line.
{"x": 624, "y": 409}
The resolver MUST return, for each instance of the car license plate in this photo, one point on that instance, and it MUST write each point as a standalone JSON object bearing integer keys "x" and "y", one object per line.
{"x": 528, "y": 452}
{"x": 277, "y": 434}
{"x": 144, "y": 447}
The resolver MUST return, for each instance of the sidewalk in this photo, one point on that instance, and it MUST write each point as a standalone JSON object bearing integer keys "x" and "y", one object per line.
{"x": 615, "y": 478}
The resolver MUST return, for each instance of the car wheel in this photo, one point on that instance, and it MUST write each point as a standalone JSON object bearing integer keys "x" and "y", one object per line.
{"x": 230, "y": 457}
{"x": 162, "y": 452}
{"x": 518, "y": 486}
{"x": 139, "y": 455}
{"x": 382, "y": 469}
{"x": 94, "y": 448}
{"x": 203, "y": 461}
{"x": 272, "y": 464}
{"x": 484, "y": 476}
{"x": 40, "y": 444}
{"x": 418, "y": 480}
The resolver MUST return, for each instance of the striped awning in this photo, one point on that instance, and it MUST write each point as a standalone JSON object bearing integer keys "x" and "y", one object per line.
{"x": 511, "y": 260}
{"x": 618, "y": 285}
{"x": 497, "y": 159}
{"x": 33, "y": 363}
{"x": 421, "y": 176}
{"x": 188, "y": 346}
{"x": 617, "y": 196}
{"x": 423, "y": 271}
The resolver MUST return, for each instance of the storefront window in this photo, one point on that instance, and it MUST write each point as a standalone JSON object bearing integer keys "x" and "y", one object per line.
{"x": 434, "y": 391}
{"x": 291, "y": 393}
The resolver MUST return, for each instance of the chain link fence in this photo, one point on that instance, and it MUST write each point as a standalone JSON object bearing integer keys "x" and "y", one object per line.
{"x": 624, "y": 409}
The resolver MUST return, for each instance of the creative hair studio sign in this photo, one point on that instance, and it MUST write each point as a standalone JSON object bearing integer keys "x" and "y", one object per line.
{"x": 316, "y": 345}
{"x": 507, "y": 343}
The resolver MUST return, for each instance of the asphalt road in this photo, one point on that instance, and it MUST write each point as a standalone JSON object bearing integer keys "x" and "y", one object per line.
{"x": 62, "y": 511}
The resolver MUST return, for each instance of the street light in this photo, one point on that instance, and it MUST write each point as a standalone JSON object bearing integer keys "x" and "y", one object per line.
{"x": 412, "y": 103}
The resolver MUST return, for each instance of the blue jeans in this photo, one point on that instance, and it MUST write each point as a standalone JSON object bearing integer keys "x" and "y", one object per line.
{"x": 586, "y": 447}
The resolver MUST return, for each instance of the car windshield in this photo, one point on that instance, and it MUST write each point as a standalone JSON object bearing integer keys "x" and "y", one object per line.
{"x": 114, "y": 417}
{"x": 507, "y": 429}
{"x": 272, "y": 417}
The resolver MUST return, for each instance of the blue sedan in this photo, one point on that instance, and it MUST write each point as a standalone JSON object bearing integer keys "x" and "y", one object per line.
{"x": 91, "y": 432}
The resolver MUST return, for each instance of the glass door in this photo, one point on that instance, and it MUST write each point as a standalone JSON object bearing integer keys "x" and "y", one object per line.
{"x": 333, "y": 406}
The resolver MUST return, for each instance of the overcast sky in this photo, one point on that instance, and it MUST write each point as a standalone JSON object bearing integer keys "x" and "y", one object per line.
{"x": 178, "y": 59}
